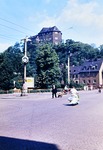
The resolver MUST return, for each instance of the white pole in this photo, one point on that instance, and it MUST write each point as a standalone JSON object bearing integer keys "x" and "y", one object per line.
{"x": 25, "y": 40}
{"x": 25, "y": 60}
{"x": 24, "y": 73}
{"x": 68, "y": 70}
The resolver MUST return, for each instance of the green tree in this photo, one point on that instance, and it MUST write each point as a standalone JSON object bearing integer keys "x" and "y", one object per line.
{"x": 31, "y": 49}
{"x": 79, "y": 52}
{"x": 6, "y": 73}
{"x": 11, "y": 67}
{"x": 48, "y": 71}
{"x": 101, "y": 51}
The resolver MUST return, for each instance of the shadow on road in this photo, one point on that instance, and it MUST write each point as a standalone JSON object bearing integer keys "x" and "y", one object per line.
{"x": 70, "y": 104}
{"x": 7, "y": 143}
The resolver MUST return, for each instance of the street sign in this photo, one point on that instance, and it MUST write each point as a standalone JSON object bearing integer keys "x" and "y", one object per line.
{"x": 25, "y": 59}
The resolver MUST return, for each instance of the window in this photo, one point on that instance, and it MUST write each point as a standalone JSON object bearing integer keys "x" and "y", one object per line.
{"x": 89, "y": 81}
{"x": 56, "y": 38}
{"x": 93, "y": 67}
{"x": 84, "y": 68}
{"x": 56, "y": 32}
{"x": 96, "y": 66}
{"x": 94, "y": 81}
{"x": 84, "y": 82}
{"x": 76, "y": 75}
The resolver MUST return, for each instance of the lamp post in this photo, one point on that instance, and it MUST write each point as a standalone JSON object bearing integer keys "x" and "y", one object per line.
{"x": 69, "y": 69}
{"x": 69, "y": 54}
{"x": 25, "y": 60}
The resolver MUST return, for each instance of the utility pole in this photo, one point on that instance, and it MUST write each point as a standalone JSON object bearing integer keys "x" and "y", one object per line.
{"x": 25, "y": 60}
{"x": 69, "y": 69}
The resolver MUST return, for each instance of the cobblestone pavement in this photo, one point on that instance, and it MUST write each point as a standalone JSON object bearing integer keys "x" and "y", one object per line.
{"x": 38, "y": 117}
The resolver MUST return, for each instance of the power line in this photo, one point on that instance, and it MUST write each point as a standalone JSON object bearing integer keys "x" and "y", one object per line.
{"x": 15, "y": 24}
{"x": 12, "y": 28}
{"x": 6, "y": 37}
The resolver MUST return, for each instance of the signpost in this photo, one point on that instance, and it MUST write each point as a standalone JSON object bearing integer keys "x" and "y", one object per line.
{"x": 25, "y": 60}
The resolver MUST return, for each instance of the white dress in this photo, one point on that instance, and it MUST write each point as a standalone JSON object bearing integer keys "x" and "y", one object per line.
{"x": 74, "y": 97}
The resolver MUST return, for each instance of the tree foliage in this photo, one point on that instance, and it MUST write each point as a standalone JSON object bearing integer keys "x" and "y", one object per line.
{"x": 6, "y": 72}
{"x": 10, "y": 67}
{"x": 78, "y": 52}
{"x": 47, "y": 62}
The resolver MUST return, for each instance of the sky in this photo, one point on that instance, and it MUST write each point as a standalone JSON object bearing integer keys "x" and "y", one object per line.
{"x": 79, "y": 20}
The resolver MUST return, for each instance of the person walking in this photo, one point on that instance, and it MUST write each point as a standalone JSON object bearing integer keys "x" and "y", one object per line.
{"x": 99, "y": 89}
{"x": 54, "y": 91}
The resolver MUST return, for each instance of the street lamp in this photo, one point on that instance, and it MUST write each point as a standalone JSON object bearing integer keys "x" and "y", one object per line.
{"x": 25, "y": 60}
{"x": 69, "y": 69}
{"x": 69, "y": 54}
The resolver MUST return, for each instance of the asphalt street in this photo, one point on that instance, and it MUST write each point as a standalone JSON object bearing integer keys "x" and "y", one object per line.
{"x": 38, "y": 122}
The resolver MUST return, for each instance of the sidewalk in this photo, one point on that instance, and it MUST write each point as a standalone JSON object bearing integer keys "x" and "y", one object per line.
{"x": 40, "y": 95}
{"x": 28, "y": 96}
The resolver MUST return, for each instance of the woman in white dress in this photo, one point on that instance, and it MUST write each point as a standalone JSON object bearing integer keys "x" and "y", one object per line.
{"x": 74, "y": 96}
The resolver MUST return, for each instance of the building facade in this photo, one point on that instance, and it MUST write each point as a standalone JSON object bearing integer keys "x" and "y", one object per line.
{"x": 48, "y": 35}
{"x": 89, "y": 74}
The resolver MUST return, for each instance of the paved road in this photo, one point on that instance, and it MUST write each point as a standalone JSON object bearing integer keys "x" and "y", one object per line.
{"x": 42, "y": 123}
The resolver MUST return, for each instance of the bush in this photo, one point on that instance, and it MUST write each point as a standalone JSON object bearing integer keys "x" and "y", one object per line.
{"x": 76, "y": 85}
{"x": 6, "y": 92}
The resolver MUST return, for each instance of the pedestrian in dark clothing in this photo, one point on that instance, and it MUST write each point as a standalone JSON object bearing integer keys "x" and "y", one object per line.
{"x": 54, "y": 91}
{"x": 99, "y": 89}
